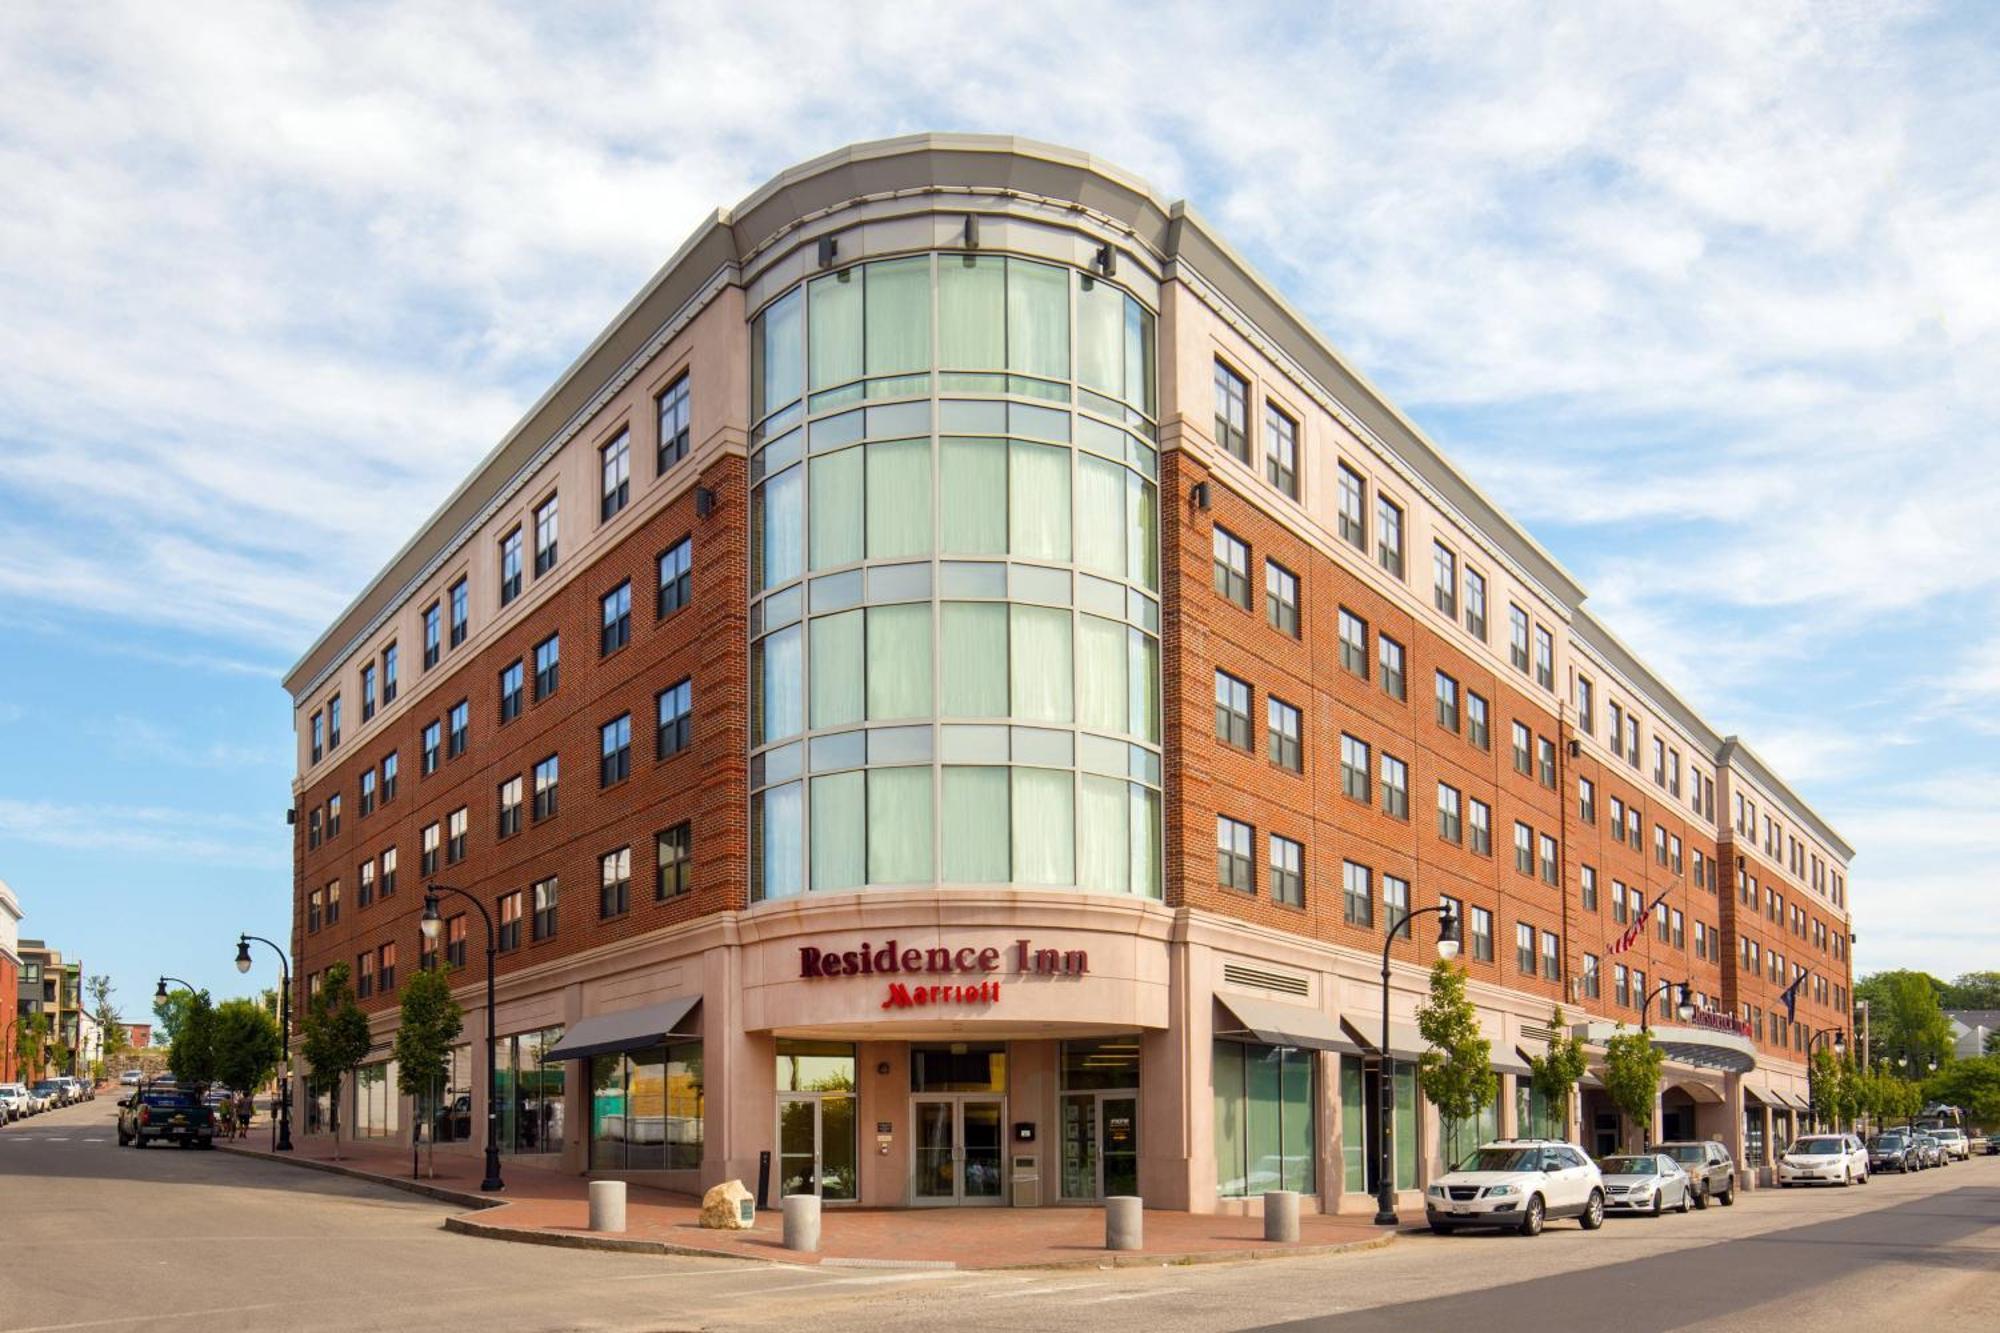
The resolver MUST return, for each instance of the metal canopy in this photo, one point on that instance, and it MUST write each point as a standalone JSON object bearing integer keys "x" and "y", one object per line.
{"x": 1405, "y": 1041}
{"x": 1276, "y": 1024}
{"x": 626, "y": 1030}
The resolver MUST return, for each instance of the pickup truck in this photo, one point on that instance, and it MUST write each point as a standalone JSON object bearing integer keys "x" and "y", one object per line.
{"x": 1711, "y": 1173}
{"x": 165, "y": 1115}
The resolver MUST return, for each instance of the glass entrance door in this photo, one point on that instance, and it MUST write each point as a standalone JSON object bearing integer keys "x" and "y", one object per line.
{"x": 816, "y": 1145}
{"x": 959, "y": 1149}
{"x": 1100, "y": 1145}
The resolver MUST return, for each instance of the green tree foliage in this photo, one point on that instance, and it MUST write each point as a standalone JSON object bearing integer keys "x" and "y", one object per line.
{"x": 1972, "y": 990}
{"x": 1971, "y": 1085}
{"x": 1993, "y": 1042}
{"x": 1632, "y": 1067}
{"x": 62, "y": 1057}
{"x": 116, "y": 1040}
{"x": 31, "y": 1045}
{"x": 192, "y": 1058}
{"x": 1907, "y": 1021}
{"x": 336, "y": 1038}
{"x": 169, "y": 1014}
{"x": 431, "y": 1021}
{"x": 247, "y": 1046}
{"x": 1456, "y": 1072}
{"x": 1556, "y": 1074}
{"x": 1832, "y": 1093}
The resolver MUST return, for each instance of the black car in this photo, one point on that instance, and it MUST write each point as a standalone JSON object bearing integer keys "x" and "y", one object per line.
{"x": 1893, "y": 1152}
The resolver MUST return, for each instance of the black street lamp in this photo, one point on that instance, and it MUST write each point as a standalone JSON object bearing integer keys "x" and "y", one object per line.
{"x": 1683, "y": 1003}
{"x": 431, "y": 925}
{"x": 284, "y": 1143}
{"x": 161, "y": 993}
{"x": 1839, "y": 1048}
{"x": 1447, "y": 947}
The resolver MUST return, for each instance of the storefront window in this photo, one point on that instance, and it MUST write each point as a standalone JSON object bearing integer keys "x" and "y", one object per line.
{"x": 646, "y": 1109}
{"x": 1463, "y": 1137}
{"x": 1535, "y": 1116}
{"x": 816, "y": 1123}
{"x": 1359, "y": 1112}
{"x": 451, "y": 1105}
{"x": 961, "y": 1067}
{"x": 1107, "y": 1062}
{"x": 376, "y": 1100}
{"x": 1263, "y": 1119}
{"x": 531, "y": 1091}
{"x": 1753, "y": 1135}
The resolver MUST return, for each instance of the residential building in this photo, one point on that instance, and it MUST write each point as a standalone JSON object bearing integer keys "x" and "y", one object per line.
{"x": 933, "y": 555}
{"x": 1971, "y": 1029}
{"x": 52, "y": 986}
{"x": 11, "y": 995}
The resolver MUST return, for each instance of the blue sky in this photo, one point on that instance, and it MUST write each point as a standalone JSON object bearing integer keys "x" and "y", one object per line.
{"x": 1707, "y": 295}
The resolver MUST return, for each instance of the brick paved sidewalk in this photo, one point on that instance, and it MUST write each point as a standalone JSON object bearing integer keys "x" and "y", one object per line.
{"x": 552, "y": 1208}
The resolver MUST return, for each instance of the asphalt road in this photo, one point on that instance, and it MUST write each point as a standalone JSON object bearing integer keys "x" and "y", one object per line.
{"x": 93, "y": 1236}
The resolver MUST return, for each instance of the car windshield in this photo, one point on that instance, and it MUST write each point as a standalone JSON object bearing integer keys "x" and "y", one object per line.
{"x": 1503, "y": 1159}
{"x": 1628, "y": 1166}
{"x": 1819, "y": 1147}
{"x": 1691, "y": 1152}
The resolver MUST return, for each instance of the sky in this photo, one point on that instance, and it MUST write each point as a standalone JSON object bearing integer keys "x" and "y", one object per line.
{"x": 1707, "y": 295}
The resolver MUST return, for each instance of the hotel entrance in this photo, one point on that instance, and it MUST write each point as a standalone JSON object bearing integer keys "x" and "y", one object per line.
{"x": 958, "y": 1124}
{"x": 1100, "y": 1118}
{"x": 816, "y": 1140}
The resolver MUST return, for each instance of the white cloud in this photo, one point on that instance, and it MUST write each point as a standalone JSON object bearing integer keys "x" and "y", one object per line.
{"x": 146, "y": 831}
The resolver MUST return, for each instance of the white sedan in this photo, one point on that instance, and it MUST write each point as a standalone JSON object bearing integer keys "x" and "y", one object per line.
{"x": 1824, "y": 1159}
{"x": 1645, "y": 1183}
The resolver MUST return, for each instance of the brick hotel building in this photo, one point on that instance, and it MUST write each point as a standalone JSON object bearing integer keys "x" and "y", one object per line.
{"x": 950, "y": 689}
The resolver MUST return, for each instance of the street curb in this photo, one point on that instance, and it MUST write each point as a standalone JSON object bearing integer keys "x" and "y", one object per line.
{"x": 579, "y": 1240}
{"x": 429, "y": 1191}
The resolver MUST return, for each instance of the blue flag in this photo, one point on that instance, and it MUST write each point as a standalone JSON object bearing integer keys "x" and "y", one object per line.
{"x": 1791, "y": 997}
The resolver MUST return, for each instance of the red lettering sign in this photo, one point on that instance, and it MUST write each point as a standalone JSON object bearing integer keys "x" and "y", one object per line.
{"x": 888, "y": 959}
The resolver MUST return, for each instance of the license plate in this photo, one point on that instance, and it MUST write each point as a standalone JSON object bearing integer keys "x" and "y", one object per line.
{"x": 1461, "y": 1212}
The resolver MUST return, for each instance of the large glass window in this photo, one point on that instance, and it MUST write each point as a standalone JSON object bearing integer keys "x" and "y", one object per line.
{"x": 1264, "y": 1137}
{"x": 646, "y": 1109}
{"x": 531, "y": 1092}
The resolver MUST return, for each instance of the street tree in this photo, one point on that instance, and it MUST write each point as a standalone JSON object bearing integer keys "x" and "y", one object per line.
{"x": 115, "y": 1039}
{"x": 431, "y": 1023}
{"x": 1972, "y": 990}
{"x": 31, "y": 1044}
{"x": 62, "y": 1057}
{"x": 336, "y": 1038}
{"x": 1556, "y": 1074}
{"x": 192, "y": 1058}
{"x": 1632, "y": 1067}
{"x": 1908, "y": 1023}
{"x": 247, "y": 1046}
{"x": 169, "y": 1012}
{"x": 1971, "y": 1085}
{"x": 1456, "y": 1072}
{"x": 1831, "y": 1090}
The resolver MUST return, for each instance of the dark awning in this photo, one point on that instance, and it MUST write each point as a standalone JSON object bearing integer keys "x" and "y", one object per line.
{"x": 626, "y": 1030}
{"x": 1276, "y": 1024}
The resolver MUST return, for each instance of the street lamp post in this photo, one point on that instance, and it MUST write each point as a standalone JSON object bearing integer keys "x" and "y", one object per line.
{"x": 1839, "y": 1036}
{"x": 1683, "y": 1003}
{"x": 431, "y": 925}
{"x": 284, "y": 1118}
{"x": 1447, "y": 947}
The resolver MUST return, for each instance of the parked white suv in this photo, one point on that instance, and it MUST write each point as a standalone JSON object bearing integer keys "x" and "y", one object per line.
{"x": 18, "y": 1100}
{"x": 1824, "y": 1159}
{"x": 1518, "y": 1183}
{"x": 1954, "y": 1142}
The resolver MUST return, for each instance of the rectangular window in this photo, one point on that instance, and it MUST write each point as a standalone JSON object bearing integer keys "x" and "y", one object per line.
{"x": 332, "y": 723}
{"x": 676, "y": 568}
{"x": 1447, "y": 702}
{"x": 1288, "y": 871}
{"x": 1444, "y": 579}
{"x": 676, "y": 719}
{"x": 433, "y": 746}
{"x": 1232, "y": 412}
{"x": 1281, "y": 451}
{"x": 1660, "y": 844}
{"x": 1232, "y": 710}
{"x": 1396, "y": 906}
{"x": 315, "y": 909}
{"x": 367, "y": 792}
{"x": 1659, "y": 761}
{"x": 458, "y": 729}
{"x": 455, "y": 935}
{"x": 461, "y": 612}
{"x": 1394, "y": 681}
{"x": 674, "y": 855}
{"x": 1265, "y": 1126}
{"x": 1524, "y": 948}
{"x": 389, "y": 872}
{"x": 1354, "y": 762}
{"x": 675, "y": 415}
{"x": 1545, "y": 659}
{"x": 391, "y": 664}
{"x": 385, "y": 968}
{"x": 433, "y": 634}
{"x": 1592, "y": 979}
{"x": 364, "y": 983}
{"x": 454, "y": 839}
{"x": 1479, "y": 818}
{"x": 1621, "y": 984}
{"x": 1482, "y": 935}
{"x": 616, "y": 619}
{"x": 1635, "y": 833}
{"x": 548, "y": 666}
{"x": 433, "y": 837}
{"x": 614, "y": 882}
{"x": 1353, "y": 643}
{"x": 1395, "y": 787}
{"x": 1232, "y": 567}
{"x": 1450, "y": 813}
{"x": 367, "y": 691}
{"x": 615, "y": 751}
{"x": 1586, "y": 800}
{"x": 1517, "y": 638}
{"x": 1281, "y": 598}
{"x": 1233, "y": 839}
{"x": 1550, "y": 872}
{"x": 547, "y": 525}
{"x": 1545, "y": 762}
{"x": 1475, "y": 603}
{"x": 510, "y": 921}
{"x": 512, "y": 683}
{"x": 1389, "y": 535}
{"x": 546, "y": 899}
{"x": 509, "y": 821}
{"x": 1478, "y": 727}
{"x": 547, "y": 774}
{"x": 1632, "y": 739}
{"x": 1524, "y": 848}
{"x": 333, "y": 903}
{"x": 364, "y": 883}
{"x": 510, "y": 566}
{"x": 1585, "y": 716}
{"x": 1589, "y": 878}
{"x": 614, "y": 462}
{"x": 1523, "y": 743}
{"x": 1284, "y": 728}
{"x": 1353, "y": 509}
{"x": 1357, "y": 894}
{"x": 1680, "y": 930}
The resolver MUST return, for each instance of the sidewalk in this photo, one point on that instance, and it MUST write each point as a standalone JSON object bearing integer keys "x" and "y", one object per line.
{"x": 544, "y": 1207}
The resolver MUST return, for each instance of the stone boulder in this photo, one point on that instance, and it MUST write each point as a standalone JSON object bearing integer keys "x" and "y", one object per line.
{"x": 728, "y": 1207}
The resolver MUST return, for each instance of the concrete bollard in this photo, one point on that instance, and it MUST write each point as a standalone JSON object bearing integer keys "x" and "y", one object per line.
{"x": 1124, "y": 1222}
{"x": 802, "y": 1223}
{"x": 607, "y": 1205}
{"x": 1281, "y": 1216}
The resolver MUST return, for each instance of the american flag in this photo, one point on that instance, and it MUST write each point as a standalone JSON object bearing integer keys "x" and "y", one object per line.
{"x": 1638, "y": 926}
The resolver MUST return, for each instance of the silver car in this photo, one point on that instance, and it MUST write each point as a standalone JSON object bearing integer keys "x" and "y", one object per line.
{"x": 1645, "y": 1183}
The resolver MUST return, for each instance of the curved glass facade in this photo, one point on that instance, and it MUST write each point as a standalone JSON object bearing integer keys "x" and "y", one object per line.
{"x": 955, "y": 660}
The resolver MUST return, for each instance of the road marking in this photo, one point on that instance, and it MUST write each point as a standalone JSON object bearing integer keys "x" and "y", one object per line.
{"x": 1128, "y": 1296}
{"x": 918, "y": 1276}
{"x": 1039, "y": 1291}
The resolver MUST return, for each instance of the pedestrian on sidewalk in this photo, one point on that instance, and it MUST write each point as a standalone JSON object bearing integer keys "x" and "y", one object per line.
{"x": 246, "y": 1108}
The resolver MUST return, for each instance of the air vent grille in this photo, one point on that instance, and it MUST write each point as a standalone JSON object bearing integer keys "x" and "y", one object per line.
{"x": 1256, "y": 978}
{"x": 1537, "y": 1032}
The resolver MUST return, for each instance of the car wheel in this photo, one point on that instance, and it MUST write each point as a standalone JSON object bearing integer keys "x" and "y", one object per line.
{"x": 1729, "y": 1197}
{"x": 1847, "y": 1178}
{"x": 1701, "y": 1198}
{"x": 1784, "y": 1184}
{"x": 1593, "y": 1212}
{"x": 1686, "y": 1202}
{"x": 1440, "y": 1228}
{"x": 1659, "y": 1202}
{"x": 1531, "y": 1220}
